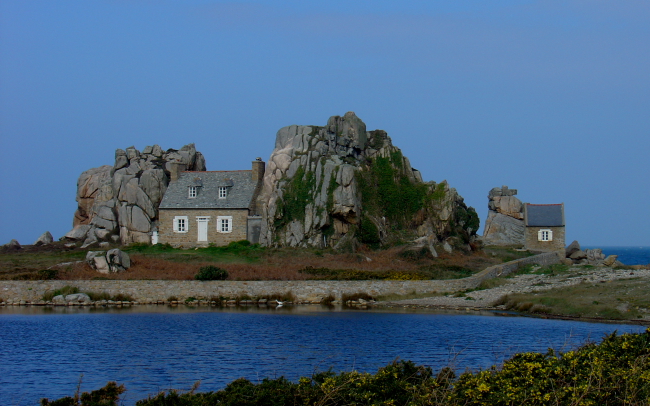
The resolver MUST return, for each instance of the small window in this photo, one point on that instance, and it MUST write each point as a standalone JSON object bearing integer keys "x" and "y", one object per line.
{"x": 224, "y": 224}
{"x": 223, "y": 192}
{"x": 192, "y": 192}
{"x": 545, "y": 235}
{"x": 180, "y": 224}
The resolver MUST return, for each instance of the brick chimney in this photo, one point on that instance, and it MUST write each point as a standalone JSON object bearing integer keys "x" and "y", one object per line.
{"x": 175, "y": 169}
{"x": 258, "y": 169}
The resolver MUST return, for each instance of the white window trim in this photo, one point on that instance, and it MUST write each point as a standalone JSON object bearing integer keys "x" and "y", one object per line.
{"x": 223, "y": 190}
{"x": 192, "y": 192}
{"x": 229, "y": 224}
{"x": 545, "y": 232}
{"x": 177, "y": 224}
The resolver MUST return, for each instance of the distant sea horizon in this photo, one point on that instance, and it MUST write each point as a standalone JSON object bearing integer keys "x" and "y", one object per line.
{"x": 629, "y": 255}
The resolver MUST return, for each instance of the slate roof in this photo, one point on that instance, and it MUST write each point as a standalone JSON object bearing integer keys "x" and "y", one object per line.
{"x": 240, "y": 184}
{"x": 544, "y": 215}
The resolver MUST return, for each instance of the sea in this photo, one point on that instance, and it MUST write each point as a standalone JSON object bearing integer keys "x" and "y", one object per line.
{"x": 629, "y": 255}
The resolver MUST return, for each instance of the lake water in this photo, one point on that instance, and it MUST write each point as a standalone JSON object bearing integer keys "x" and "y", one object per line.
{"x": 148, "y": 348}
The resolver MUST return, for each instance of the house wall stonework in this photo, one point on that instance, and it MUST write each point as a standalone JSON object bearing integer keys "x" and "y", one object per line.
{"x": 532, "y": 243}
{"x": 166, "y": 234}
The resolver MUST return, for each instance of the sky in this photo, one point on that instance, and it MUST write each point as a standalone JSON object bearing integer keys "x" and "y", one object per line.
{"x": 548, "y": 97}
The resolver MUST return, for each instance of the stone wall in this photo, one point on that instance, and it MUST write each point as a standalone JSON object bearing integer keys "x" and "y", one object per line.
{"x": 166, "y": 234}
{"x": 304, "y": 291}
{"x": 557, "y": 244}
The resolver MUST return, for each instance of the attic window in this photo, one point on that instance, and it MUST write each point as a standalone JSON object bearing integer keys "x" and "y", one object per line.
{"x": 223, "y": 192}
{"x": 545, "y": 235}
{"x": 192, "y": 191}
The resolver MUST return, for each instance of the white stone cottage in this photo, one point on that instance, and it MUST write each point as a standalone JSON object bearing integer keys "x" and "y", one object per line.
{"x": 544, "y": 227}
{"x": 210, "y": 207}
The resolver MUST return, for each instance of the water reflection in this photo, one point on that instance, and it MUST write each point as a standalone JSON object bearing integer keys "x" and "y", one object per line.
{"x": 152, "y": 348}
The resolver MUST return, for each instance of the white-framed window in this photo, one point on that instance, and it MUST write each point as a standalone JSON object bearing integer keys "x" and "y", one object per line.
{"x": 180, "y": 224}
{"x": 223, "y": 192}
{"x": 224, "y": 224}
{"x": 545, "y": 235}
{"x": 192, "y": 191}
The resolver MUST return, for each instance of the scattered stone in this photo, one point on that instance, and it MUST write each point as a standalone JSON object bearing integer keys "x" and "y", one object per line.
{"x": 573, "y": 247}
{"x": 578, "y": 255}
{"x": 13, "y": 245}
{"x": 610, "y": 260}
{"x": 77, "y": 298}
{"x": 44, "y": 239}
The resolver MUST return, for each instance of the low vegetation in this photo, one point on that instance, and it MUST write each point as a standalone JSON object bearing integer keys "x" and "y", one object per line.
{"x": 211, "y": 273}
{"x": 623, "y": 299}
{"x": 245, "y": 261}
{"x": 614, "y": 372}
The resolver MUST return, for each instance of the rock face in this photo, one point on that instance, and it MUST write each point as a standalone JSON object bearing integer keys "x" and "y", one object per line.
{"x": 120, "y": 203}
{"x": 341, "y": 185}
{"x": 505, "y": 222}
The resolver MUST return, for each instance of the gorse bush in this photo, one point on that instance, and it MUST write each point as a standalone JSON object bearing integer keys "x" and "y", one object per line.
{"x": 614, "y": 372}
{"x": 211, "y": 273}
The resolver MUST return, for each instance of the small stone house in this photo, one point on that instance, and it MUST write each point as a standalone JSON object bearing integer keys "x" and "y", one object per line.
{"x": 210, "y": 207}
{"x": 544, "y": 227}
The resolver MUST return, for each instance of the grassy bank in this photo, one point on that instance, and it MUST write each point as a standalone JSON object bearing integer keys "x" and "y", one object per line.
{"x": 614, "y": 372}
{"x": 623, "y": 299}
{"x": 251, "y": 262}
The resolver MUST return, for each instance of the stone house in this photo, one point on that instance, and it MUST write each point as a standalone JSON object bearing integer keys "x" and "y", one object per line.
{"x": 210, "y": 207}
{"x": 544, "y": 227}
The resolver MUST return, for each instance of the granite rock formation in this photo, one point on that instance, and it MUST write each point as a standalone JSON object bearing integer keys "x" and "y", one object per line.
{"x": 505, "y": 221}
{"x": 341, "y": 185}
{"x": 119, "y": 203}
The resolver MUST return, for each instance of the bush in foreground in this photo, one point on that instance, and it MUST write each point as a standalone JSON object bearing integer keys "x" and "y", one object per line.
{"x": 614, "y": 372}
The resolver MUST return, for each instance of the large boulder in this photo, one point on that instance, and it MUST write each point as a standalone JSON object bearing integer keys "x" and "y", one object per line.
{"x": 505, "y": 221}
{"x": 110, "y": 261}
{"x": 120, "y": 202}
{"x": 573, "y": 247}
{"x": 12, "y": 245}
{"x": 341, "y": 185}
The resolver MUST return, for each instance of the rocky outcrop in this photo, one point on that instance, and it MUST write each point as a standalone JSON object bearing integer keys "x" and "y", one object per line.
{"x": 577, "y": 256}
{"x": 119, "y": 203}
{"x": 110, "y": 261}
{"x": 341, "y": 185}
{"x": 505, "y": 222}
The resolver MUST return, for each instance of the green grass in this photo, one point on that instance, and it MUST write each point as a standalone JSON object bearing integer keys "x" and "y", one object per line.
{"x": 622, "y": 299}
{"x": 235, "y": 252}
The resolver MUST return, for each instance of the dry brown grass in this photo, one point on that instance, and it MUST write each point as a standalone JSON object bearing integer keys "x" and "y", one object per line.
{"x": 277, "y": 265}
{"x": 269, "y": 264}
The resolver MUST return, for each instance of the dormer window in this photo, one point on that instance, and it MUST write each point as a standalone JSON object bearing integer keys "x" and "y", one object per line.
{"x": 192, "y": 191}
{"x": 223, "y": 192}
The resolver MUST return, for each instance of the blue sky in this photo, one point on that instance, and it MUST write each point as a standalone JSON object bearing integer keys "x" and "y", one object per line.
{"x": 549, "y": 97}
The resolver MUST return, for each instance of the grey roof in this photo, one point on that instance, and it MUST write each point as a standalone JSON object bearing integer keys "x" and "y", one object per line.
{"x": 240, "y": 187}
{"x": 545, "y": 215}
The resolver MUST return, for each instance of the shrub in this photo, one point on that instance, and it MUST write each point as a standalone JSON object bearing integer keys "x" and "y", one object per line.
{"x": 211, "y": 273}
{"x": 48, "y": 274}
